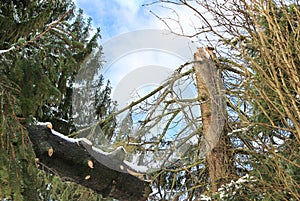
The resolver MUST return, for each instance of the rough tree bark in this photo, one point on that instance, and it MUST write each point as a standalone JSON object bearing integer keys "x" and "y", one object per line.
{"x": 72, "y": 161}
{"x": 214, "y": 117}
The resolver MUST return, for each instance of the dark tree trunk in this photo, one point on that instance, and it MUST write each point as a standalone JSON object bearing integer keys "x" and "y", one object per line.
{"x": 72, "y": 161}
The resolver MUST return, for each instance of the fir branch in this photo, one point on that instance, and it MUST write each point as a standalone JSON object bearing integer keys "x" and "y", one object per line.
{"x": 51, "y": 26}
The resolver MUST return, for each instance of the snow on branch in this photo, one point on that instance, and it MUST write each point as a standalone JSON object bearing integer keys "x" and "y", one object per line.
{"x": 4, "y": 51}
{"x": 114, "y": 160}
{"x": 77, "y": 160}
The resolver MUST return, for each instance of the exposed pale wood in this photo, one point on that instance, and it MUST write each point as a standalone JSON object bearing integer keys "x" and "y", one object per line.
{"x": 213, "y": 112}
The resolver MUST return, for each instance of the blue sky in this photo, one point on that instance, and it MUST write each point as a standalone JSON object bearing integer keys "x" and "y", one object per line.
{"x": 118, "y": 17}
{"x": 115, "y": 17}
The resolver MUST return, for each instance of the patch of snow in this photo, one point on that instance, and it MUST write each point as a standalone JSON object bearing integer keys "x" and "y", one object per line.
{"x": 120, "y": 148}
{"x": 85, "y": 140}
{"x": 73, "y": 140}
{"x": 100, "y": 151}
{"x": 238, "y": 130}
{"x": 3, "y": 51}
{"x": 63, "y": 136}
{"x": 234, "y": 185}
{"x": 205, "y": 198}
{"x": 48, "y": 188}
{"x": 137, "y": 168}
{"x": 136, "y": 158}
{"x": 54, "y": 22}
{"x": 43, "y": 123}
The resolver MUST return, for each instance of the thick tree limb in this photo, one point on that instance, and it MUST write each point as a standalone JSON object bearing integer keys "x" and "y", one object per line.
{"x": 214, "y": 117}
{"x": 73, "y": 162}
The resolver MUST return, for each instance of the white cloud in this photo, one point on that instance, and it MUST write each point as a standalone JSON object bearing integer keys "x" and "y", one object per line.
{"x": 130, "y": 5}
{"x": 115, "y": 17}
{"x": 118, "y": 16}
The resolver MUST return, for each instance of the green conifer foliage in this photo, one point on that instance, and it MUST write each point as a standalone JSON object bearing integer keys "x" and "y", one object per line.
{"x": 17, "y": 172}
{"x": 46, "y": 41}
{"x": 272, "y": 57}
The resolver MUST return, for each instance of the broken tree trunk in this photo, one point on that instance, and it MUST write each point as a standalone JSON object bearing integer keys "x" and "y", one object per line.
{"x": 214, "y": 117}
{"x": 72, "y": 161}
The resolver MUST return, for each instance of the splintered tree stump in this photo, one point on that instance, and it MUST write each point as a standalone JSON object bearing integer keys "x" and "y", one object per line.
{"x": 71, "y": 161}
{"x": 214, "y": 116}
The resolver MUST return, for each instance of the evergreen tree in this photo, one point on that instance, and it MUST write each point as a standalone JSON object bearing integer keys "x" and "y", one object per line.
{"x": 275, "y": 62}
{"x": 267, "y": 105}
{"x": 42, "y": 44}
{"x": 258, "y": 54}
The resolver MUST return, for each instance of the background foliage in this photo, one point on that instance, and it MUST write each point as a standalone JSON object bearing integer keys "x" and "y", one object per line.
{"x": 44, "y": 44}
{"x": 257, "y": 51}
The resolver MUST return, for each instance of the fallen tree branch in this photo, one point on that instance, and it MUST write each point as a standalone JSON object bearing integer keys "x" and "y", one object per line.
{"x": 72, "y": 161}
